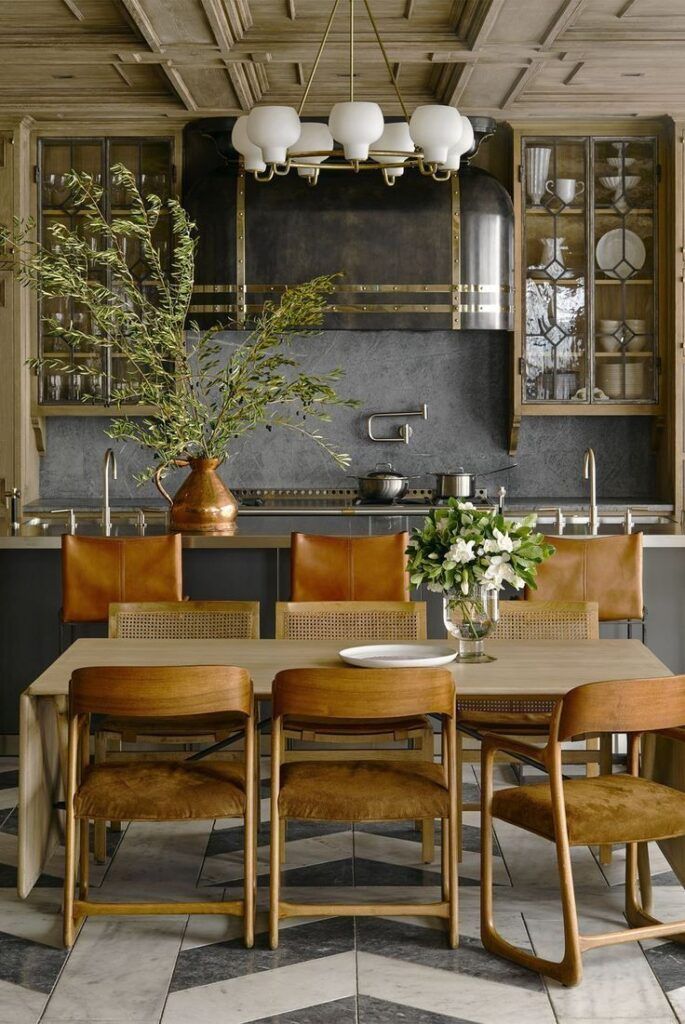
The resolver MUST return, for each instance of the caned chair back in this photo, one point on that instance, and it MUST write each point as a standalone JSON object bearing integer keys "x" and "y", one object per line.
{"x": 607, "y": 570}
{"x": 349, "y": 568}
{"x": 622, "y": 705}
{"x": 160, "y": 690}
{"x": 363, "y": 693}
{"x": 351, "y": 620}
{"x": 97, "y": 571}
{"x": 184, "y": 620}
{"x": 547, "y": 620}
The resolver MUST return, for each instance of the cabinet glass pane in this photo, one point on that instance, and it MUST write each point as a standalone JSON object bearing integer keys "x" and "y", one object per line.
{"x": 625, "y": 327}
{"x": 150, "y": 161}
{"x": 555, "y": 363}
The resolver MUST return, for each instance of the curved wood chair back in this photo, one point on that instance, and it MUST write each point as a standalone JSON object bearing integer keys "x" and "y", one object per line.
{"x": 351, "y": 620}
{"x": 184, "y": 620}
{"x": 622, "y": 705}
{"x": 349, "y": 693}
{"x": 547, "y": 620}
{"x": 607, "y": 570}
{"x": 99, "y": 570}
{"x": 349, "y": 568}
{"x": 160, "y": 690}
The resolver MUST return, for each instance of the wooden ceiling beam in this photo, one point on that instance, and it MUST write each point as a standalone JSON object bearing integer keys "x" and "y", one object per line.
{"x": 74, "y": 9}
{"x": 145, "y": 26}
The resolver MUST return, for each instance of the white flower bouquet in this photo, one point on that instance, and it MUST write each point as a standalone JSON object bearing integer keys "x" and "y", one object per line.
{"x": 461, "y": 546}
{"x": 468, "y": 555}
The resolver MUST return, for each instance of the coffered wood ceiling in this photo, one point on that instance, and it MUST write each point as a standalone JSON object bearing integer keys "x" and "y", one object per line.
{"x": 142, "y": 59}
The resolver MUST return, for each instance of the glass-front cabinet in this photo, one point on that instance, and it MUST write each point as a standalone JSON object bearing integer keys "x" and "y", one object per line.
{"x": 151, "y": 160}
{"x": 588, "y": 227}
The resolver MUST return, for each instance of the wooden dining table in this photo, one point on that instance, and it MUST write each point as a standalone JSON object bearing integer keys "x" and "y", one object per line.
{"x": 542, "y": 668}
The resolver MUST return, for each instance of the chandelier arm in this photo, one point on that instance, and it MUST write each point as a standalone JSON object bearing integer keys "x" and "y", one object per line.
{"x": 386, "y": 59}
{"x": 315, "y": 65}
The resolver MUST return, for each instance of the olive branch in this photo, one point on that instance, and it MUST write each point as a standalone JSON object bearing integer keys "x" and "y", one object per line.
{"x": 206, "y": 392}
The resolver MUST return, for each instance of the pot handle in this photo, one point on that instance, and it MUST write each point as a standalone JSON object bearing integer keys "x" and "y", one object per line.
{"x": 158, "y": 477}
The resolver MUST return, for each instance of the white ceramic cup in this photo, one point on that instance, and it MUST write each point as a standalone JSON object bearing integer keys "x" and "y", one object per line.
{"x": 565, "y": 189}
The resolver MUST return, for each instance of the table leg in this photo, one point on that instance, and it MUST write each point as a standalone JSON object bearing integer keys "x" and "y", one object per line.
{"x": 40, "y": 786}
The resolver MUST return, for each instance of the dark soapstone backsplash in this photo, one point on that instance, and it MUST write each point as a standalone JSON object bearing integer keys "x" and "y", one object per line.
{"x": 464, "y": 379}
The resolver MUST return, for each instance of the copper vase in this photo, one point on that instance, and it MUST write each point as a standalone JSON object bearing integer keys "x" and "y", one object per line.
{"x": 202, "y": 504}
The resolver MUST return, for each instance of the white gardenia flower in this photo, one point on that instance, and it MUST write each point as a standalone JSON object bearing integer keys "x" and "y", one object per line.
{"x": 461, "y": 551}
{"x": 435, "y": 588}
{"x": 500, "y": 571}
{"x": 500, "y": 542}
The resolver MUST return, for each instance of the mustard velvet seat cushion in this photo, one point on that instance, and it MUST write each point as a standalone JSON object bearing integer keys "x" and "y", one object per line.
{"x": 605, "y": 809}
{"x": 161, "y": 791}
{"x": 187, "y": 725}
{"x": 362, "y": 791}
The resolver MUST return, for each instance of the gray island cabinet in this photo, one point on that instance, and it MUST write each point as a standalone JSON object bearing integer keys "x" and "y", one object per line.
{"x": 254, "y": 564}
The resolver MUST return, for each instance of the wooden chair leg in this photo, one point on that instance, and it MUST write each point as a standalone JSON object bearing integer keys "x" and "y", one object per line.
{"x": 453, "y": 881}
{"x": 567, "y": 971}
{"x": 444, "y": 859}
{"x": 249, "y": 851}
{"x": 427, "y": 825}
{"x": 84, "y": 859}
{"x": 460, "y": 795}
{"x": 606, "y": 765}
{"x": 100, "y": 837}
{"x": 117, "y": 745}
{"x": 275, "y": 881}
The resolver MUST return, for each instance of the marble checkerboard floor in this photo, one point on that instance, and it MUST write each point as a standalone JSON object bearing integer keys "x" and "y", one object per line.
{"x": 181, "y": 970}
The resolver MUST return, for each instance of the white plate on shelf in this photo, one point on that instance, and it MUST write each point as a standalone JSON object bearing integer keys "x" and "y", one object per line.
{"x": 618, "y": 248}
{"x": 398, "y": 655}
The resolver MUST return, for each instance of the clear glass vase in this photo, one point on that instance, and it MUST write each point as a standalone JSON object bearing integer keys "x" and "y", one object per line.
{"x": 469, "y": 618}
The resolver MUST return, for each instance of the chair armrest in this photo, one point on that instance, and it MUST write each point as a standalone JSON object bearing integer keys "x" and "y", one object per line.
{"x": 528, "y": 751}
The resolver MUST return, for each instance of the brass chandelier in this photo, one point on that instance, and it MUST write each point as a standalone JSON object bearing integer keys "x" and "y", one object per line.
{"x": 272, "y": 140}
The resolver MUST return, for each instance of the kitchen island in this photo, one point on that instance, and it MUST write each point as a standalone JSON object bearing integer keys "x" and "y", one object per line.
{"x": 254, "y": 564}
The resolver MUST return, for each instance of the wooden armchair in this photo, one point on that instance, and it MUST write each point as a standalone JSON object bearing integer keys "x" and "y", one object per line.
{"x": 608, "y": 809}
{"x": 359, "y": 622}
{"x": 362, "y": 789}
{"x": 171, "y": 620}
{"x": 151, "y": 790}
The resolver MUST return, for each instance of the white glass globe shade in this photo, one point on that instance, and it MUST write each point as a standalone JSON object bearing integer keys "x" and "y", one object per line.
{"x": 463, "y": 146}
{"x": 356, "y": 126}
{"x": 395, "y": 137}
{"x": 435, "y": 128}
{"x": 273, "y": 129}
{"x": 314, "y": 138}
{"x": 251, "y": 154}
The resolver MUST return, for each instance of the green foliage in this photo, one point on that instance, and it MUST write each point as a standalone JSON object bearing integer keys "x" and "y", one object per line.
{"x": 206, "y": 392}
{"x": 459, "y": 546}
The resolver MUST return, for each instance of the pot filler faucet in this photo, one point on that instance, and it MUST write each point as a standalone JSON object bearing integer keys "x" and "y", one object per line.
{"x": 590, "y": 473}
{"x": 110, "y": 460}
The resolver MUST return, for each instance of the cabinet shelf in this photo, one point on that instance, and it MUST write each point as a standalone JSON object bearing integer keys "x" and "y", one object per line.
{"x": 602, "y": 281}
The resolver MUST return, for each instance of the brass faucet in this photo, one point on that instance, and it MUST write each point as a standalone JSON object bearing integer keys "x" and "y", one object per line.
{"x": 110, "y": 460}
{"x": 590, "y": 473}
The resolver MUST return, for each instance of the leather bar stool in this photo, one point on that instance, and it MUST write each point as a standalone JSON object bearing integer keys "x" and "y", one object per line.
{"x": 99, "y": 571}
{"x": 349, "y": 568}
{"x": 607, "y": 570}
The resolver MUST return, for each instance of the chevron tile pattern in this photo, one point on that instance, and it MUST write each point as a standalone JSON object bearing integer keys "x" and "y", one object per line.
{"x": 181, "y": 970}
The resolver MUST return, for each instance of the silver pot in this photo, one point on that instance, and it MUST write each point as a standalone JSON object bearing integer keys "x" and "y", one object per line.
{"x": 383, "y": 485}
{"x": 460, "y": 484}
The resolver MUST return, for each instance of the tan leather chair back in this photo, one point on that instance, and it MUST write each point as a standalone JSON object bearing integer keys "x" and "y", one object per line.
{"x": 607, "y": 570}
{"x": 97, "y": 571}
{"x": 349, "y": 568}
